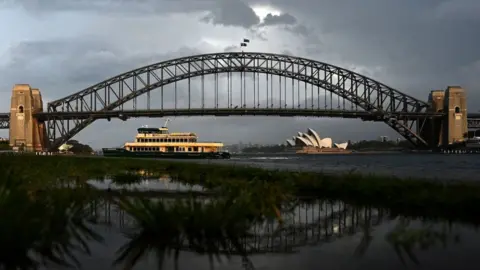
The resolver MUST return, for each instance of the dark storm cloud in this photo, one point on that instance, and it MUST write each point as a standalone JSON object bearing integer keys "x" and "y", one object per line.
{"x": 421, "y": 45}
{"x": 140, "y": 7}
{"x": 64, "y": 66}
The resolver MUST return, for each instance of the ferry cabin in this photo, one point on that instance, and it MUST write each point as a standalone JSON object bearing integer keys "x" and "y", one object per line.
{"x": 160, "y": 140}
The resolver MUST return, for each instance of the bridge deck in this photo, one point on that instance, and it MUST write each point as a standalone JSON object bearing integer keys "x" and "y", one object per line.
{"x": 226, "y": 112}
{"x": 473, "y": 118}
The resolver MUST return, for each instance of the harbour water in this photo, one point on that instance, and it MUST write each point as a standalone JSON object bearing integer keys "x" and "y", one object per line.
{"x": 435, "y": 166}
{"x": 314, "y": 235}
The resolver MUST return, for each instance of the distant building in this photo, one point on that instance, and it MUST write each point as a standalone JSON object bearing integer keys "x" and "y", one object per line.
{"x": 383, "y": 138}
{"x": 312, "y": 139}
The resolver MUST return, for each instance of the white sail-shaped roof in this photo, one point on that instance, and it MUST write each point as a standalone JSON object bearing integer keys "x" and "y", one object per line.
{"x": 342, "y": 145}
{"x": 314, "y": 134}
{"x": 326, "y": 142}
{"x": 312, "y": 140}
{"x": 302, "y": 141}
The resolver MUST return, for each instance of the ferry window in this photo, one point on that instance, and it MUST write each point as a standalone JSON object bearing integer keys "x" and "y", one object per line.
{"x": 195, "y": 149}
{"x": 190, "y": 149}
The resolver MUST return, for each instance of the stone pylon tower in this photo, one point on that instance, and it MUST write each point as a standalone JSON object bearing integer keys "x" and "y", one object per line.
{"x": 453, "y": 128}
{"x": 26, "y": 132}
{"x": 455, "y": 105}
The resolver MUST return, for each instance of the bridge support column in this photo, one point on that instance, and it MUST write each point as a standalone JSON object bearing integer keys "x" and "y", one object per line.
{"x": 455, "y": 127}
{"x": 25, "y": 131}
{"x": 432, "y": 128}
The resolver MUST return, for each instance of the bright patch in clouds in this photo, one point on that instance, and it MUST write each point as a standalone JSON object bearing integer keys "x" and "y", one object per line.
{"x": 263, "y": 11}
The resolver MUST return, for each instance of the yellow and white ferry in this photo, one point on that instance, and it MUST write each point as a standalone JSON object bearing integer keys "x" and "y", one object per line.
{"x": 153, "y": 142}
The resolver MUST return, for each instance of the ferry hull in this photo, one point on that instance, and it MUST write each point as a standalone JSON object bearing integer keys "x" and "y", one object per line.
{"x": 121, "y": 152}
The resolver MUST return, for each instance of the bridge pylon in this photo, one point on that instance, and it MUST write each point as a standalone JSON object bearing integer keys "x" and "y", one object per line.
{"x": 26, "y": 132}
{"x": 452, "y": 128}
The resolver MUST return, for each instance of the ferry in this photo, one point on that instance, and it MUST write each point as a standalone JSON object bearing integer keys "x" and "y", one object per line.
{"x": 151, "y": 142}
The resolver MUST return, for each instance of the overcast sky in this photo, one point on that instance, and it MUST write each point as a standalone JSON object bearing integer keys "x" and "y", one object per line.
{"x": 64, "y": 46}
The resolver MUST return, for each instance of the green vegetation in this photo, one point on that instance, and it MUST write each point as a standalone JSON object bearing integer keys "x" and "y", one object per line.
{"x": 455, "y": 200}
{"x": 266, "y": 149}
{"x": 376, "y": 145}
{"x": 79, "y": 148}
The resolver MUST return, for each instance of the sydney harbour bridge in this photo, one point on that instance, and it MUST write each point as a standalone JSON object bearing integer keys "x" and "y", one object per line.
{"x": 238, "y": 83}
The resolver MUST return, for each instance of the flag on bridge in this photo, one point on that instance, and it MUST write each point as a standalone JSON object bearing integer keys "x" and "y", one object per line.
{"x": 243, "y": 44}
{"x": 246, "y": 40}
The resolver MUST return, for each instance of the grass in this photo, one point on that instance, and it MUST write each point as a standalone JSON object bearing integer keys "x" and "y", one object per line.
{"x": 454, "y": 200}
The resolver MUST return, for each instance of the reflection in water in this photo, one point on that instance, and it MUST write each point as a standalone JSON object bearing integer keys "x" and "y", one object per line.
{"x": 42, "y": 227}
{"x": 404, "y": 239}
{"x": 54, "y": 226}
{"x": 130, "y": 181}
{"x": 212, "y": 227}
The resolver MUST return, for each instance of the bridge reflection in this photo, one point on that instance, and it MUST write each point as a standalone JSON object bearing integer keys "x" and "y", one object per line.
{"x": 307, "y": 223}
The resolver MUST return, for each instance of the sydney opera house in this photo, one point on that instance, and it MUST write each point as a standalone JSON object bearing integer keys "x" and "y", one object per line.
{"x": 311, "y": 142}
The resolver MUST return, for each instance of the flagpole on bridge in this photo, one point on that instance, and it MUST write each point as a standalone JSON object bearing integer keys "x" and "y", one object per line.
{"x": 242, "y": 80}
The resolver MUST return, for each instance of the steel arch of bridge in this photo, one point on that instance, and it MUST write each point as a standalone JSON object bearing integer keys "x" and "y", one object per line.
{"x": 368, "y": 94}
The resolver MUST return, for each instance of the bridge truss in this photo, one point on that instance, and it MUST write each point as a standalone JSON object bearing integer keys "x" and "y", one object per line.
{"x": 4, "y": 120}
{"x": 474, "y": 120}
{"x": 237, "y": 83}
